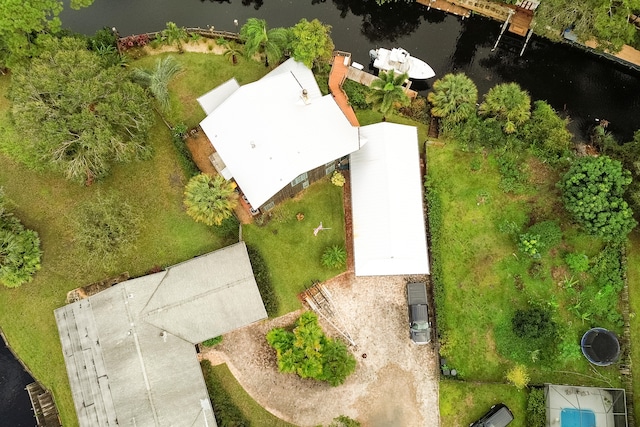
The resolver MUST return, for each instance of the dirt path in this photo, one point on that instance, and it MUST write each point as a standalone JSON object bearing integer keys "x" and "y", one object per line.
{"x": 394, "y": 385}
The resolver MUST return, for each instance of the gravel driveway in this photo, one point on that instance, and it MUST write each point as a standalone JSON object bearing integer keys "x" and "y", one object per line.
{"x": 396, "y": 384}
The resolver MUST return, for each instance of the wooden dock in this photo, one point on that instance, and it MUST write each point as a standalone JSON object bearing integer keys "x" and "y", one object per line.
{"x": 43, "y": 406}
{"x": 446, "y": 6}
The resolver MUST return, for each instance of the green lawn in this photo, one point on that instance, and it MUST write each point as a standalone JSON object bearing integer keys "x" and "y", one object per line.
{"x": 633, "y": 278}
{"x": 485, "y": 278}
{"x": 291, "y": 251}
{"x": 462, "y": 403}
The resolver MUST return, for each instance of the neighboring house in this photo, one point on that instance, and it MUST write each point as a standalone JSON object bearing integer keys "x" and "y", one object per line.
{"x": 130, "y": 350}
{"x": 277, "y": 135}
{"x": 389, "y": 235}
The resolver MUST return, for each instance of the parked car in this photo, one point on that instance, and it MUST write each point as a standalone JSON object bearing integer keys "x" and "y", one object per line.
{"x": 419, "y": 325}
{"x": 498, "y": 416}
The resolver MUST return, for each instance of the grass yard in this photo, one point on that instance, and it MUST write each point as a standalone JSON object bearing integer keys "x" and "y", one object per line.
{"x": 633, "y": 278}
{"x": 226, "y": 391}
{"x": 46, "y": 203}
{"x": 485, "y": 278}
{"x": 291, "y": 251}
{"x": 461, "y": 403}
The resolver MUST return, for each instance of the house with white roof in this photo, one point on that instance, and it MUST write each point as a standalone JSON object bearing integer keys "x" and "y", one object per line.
{"x": 277, "y": 135}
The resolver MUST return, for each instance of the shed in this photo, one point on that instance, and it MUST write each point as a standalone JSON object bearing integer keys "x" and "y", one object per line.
{"x": 389, "y": 234}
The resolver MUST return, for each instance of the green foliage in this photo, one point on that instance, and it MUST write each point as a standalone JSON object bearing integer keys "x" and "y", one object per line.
{"x": 435, "y": 221}
{"x": 518, "y": 376}
{"x": 228, "y": 229}
{"x": 97, "y": 116}
{"x": 174, "y": 35}
{"x": 210, "y": 200}
{"x": 417, "y": 110}
{"x": 310, "y": 42}
{"x": 357, "y": 94}
{"x": 212, "y": 341}
{"x": 508, "y": 104}
{"x": 387, "y": 91}
{"x": 338, "y": 179}
{"x": 106, "y": 227}
{"x": 20, "y": 252}
{"x": 258, "y": 40}
{"x": 546, "y": 133}
{"x": 344, "y": 421}
{"x": 530, "y": 244}
{"x": 533, "y": 323}
{"x": 157, "y": 81}
{"x": 263, "y": 280}
{"x": 309, "y": 353}
{"x": 334, "y": 257}
{"x": 548, "y": 232}
{"x": 578, "y": 262}
{"x": 592, "y": 191}
{"x": 454, "y": 98}
{"x": 513, "y": 174}
{"x": 536, "y": 408}
{"x": 225, "y": 410}
{"x": 185, "y": 159}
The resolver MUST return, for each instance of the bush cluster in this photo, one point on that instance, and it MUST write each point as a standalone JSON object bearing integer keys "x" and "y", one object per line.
{"x": 263, "y": 279}
{"x": 185, "y": 159}
{"x": 357, "y": 94}
{"x": 536, "y": 408}
{"x": 435, "y": 222}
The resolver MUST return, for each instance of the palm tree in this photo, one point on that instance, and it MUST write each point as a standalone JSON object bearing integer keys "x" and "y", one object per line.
{"x": 508, "y": 104}
{"x": 232, "y": 49}
{"x": 210, "y": 200}
{"x": 257, "y": 39}
{"x": 388, "y": 91}
{"x": 157, "y": 81}
{"x": 454, "y": 98}
{"x": 174, "y": 35}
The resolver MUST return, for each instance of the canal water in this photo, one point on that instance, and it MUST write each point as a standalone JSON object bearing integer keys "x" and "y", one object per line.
{"x": 15, "y": 407}
{"x": 574, "y": 82}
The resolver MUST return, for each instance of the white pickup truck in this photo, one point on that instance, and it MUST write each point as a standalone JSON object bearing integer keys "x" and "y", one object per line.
{"x": 419, "y": 325}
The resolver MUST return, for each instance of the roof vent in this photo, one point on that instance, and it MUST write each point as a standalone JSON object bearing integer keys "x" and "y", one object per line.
{"x": 305, "y": 96}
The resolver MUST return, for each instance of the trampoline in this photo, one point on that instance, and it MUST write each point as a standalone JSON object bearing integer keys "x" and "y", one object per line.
{"x": 600, "y": 346}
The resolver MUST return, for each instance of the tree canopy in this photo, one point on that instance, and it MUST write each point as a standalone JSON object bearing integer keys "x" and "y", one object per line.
{"x": 258, "y": 40}
{"x": 157, "y": 81}
{"x": 20, "y": 252}
{"x": 454, "y": 98}
{"x": 311, "y": 42}
{"x": 508, "y": 104}
{"x": 592, "y": 192}
{"x": 210, "y": 200}
{"x": 546, "y": 132}
{"x": 77, "y": 116}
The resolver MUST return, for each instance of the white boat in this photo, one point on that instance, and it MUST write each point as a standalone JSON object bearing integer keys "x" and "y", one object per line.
{"x": 399, "y": 61}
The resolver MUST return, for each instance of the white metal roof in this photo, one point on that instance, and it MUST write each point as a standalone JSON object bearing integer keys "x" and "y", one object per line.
{"x": 389, "y": 233}
{"x": 212, "y": 99}
{"x": 267, "y": 134}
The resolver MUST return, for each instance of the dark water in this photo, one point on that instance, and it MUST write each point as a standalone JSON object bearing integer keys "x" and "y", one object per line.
{"x": 575, "y": 82}
{"x": 15, "y": 407}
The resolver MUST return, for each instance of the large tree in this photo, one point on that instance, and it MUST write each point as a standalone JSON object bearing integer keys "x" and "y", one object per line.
{"x": 454, "y": 98}
{"x": 157, "y": 81}
{"x": 20, "y": 252}
{"x": 78, "y": 117}
{"x": 592, "y": 192}
{"x": 508, "y": 104}
{"x": 260, "y": 40}
{"x": 311, "y": 42}
{"x": 388, "y": 91}
{"x": 546, "y": 132}
{"x": 210, "y": 200}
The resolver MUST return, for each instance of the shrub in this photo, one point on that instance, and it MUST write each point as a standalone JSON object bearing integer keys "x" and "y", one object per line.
{"x": 357, "y": 94}
{"x": 212, "y": 341}
{"x": 228, "y": 229}
{"x": 513, "y": 175}
{"x": 536, "y": 408}
{"x": 533, "y": 323}
{"x": 549, "y": 232}
{"x": 530, "y": 244}
{"x": 263, "y": 280}
{"x": 309, "y": 353}
{"x": 518, "y": 376}
{"x": 435, "y": 222}
{"x": 578, "y": 262}
{"x": 226, "y": 412}
{"x": 106, "y": 227}
{"x": 178, "y": 133}
{"x": 417, "y": 110}
{"x": 334, "y": 257}
{"x": 210, "y": 200}
{"x": 344, "y": 421}
{"x": 338, "y": 179}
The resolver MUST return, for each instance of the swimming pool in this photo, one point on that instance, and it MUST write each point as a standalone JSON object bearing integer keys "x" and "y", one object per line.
{"x": 570, "y": 417}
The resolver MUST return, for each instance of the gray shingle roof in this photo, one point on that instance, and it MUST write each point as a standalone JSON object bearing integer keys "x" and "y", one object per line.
{"x": 130, "y": 351}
